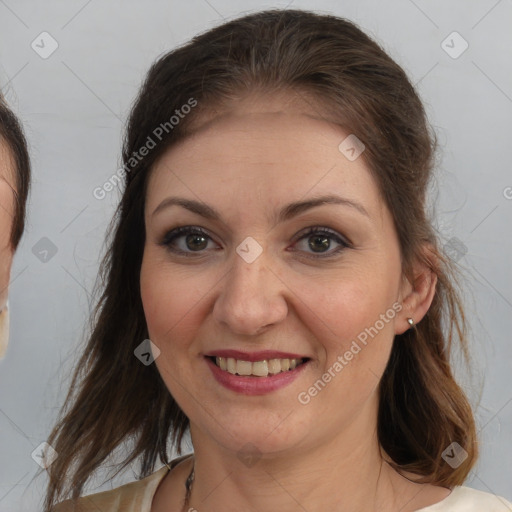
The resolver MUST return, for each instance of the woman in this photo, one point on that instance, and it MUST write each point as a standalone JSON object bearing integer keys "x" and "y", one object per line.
{"x": 272, "y": 243}
{"x": 14, "y": 187}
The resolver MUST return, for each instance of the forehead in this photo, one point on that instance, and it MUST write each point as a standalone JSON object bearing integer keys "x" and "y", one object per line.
{"x": 259, "y": 128}
{"x": 265, "y": 152}
{"x": 260, "y": 138}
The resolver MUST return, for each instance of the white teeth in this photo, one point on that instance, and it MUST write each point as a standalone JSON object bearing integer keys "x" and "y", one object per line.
{"x": 260, "y": 368}
{"x": 231, "y": 365}
{"x": 274, "y": 366}
{"x": 243, "y": 367}
{"x": 257, "y": 368}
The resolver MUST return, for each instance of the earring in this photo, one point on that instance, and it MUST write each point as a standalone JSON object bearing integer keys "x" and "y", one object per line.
{"x": 410, "y": 321}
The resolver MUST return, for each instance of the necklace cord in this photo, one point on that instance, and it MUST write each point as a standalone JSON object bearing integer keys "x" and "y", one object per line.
{"x": 188, "y": 485}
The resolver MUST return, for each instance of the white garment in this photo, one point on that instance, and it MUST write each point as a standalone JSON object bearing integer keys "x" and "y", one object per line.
{"x": 465, "y": 499}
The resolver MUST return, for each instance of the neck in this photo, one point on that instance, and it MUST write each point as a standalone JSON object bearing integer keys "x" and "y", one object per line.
{"x": 349, "y": 473}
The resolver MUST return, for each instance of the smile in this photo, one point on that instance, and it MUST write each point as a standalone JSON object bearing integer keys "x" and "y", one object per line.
{"x": 262, "y": 368}
{"x": 256, "y": 377}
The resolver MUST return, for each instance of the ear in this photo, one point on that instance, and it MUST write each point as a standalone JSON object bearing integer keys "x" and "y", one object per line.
{"x": 417, "y": 292}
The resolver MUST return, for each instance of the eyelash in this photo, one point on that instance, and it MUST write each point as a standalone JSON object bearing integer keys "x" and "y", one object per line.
{"x": 172, "y": 235}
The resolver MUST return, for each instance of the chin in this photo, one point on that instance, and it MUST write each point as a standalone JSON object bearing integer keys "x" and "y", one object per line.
{"x": 257, "y": 435}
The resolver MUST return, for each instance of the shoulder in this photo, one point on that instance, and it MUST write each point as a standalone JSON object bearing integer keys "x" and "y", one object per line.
{"x": 127, "y": 498}
{"x": 132, "y": 497}
{"x": 465, "y": 499}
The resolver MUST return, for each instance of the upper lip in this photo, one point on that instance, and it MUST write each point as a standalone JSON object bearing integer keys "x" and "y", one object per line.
{"x": 254, "y": 356}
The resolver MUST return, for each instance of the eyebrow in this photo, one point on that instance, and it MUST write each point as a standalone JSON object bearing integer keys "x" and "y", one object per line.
{"x": 287, "y": 212}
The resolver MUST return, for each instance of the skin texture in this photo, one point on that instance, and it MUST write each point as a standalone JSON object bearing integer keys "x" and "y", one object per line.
{"x": 6, "y": 252}
{"x": 247, "y": 164}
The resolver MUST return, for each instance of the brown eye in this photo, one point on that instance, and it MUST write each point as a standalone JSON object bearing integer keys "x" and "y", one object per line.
{"x": 196, "y": 242}
{"x": 186, "y": 240}
{"x": 320, "y": 240}
{"x": 319, "y": 243}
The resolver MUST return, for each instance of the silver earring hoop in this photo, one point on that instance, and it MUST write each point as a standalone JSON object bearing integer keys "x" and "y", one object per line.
{"x": 410, "y": 321}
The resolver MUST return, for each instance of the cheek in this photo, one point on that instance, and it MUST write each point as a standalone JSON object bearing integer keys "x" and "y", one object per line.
{"x": 340, "y": 308}
{"x": 171, "y": 300}
{"x": 352, "y": 341}
{"x": 6, "y": 257}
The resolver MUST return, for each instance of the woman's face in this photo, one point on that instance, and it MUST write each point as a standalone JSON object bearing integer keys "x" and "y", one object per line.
{"x": 6, "y": 252}
{"x": 254, "y": 280}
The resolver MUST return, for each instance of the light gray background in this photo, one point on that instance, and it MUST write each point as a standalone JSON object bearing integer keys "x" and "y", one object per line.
{"x": 74, "y": 103}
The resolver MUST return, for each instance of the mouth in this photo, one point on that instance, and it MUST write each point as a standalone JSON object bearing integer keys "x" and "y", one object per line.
{"x": 257, "y": 369}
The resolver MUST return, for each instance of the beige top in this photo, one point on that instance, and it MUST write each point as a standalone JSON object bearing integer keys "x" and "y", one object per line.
{"x": 138, "y": 496}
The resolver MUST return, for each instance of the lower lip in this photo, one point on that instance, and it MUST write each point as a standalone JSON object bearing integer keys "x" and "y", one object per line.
{"x": 254, "y": 385}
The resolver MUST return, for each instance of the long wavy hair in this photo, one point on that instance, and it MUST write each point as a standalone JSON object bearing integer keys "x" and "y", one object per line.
{"x": 113, "y": 398}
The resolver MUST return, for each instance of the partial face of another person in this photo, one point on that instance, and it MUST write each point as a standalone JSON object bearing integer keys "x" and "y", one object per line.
{"x": 306, "y": 284}
{"x": 6, "y": 251}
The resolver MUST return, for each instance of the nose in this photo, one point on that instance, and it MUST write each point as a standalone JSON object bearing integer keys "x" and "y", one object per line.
{"x": 252, "y": 297}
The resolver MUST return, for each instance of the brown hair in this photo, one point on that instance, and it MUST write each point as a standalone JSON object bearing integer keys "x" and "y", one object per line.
{"x": 113, "y": 398}
{"x": 11, "y": 133}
